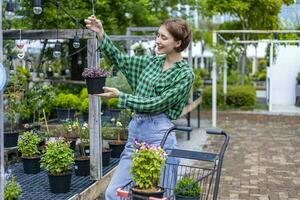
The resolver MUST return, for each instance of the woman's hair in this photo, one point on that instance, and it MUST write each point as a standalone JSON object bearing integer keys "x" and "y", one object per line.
{"x": 180, "y": 30}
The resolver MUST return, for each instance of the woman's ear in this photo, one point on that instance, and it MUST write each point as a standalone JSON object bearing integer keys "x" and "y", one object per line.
{"x": 178, "y": 43}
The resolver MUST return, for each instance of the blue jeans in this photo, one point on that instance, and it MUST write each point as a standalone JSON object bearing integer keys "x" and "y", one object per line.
{"x": 146, "y": 128}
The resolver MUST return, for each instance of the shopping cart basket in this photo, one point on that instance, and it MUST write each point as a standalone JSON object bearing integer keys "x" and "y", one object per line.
{"x": 202, "y": 167}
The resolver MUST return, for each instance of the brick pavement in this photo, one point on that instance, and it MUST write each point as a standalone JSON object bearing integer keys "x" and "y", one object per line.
{"x": 263, "y": 158}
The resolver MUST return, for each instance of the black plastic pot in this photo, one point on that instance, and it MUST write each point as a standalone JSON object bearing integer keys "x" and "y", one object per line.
{"x": 116, "y": 148}
{"x": 31, "y": 165}
{"x": 11, "y": 139}
{"x": 106, "y": 154}
{"x": 179, "y": 197}
{"x": 63, "y": 114}
{"x": 82, "y": 167}
{"x": 60, "y": 183}
{"x": 94, "y": 85}
{"x": 141, "y": 195}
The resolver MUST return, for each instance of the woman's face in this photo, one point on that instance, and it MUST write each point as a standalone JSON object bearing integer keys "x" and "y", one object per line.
{"x": 165, "y": 42}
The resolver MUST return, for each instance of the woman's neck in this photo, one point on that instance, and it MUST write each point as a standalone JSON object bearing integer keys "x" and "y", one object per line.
{"x": 171, "y": 59}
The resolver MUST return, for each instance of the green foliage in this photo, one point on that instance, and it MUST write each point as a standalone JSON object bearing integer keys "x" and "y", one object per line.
{"x": 260, "y": 75}
{"x": 251, "y": 14}
{"x": 84, "y": 135}
{"x": 12, "y": 189}
{"x": 234, "y": 78}
{"x": 147, "y": 162}
{"x": 14, "y": 95}
{"x": 298, "y": 77}
{"x": 67, "y": 101}
{"x": 113, "y": 103}
{"x": 57, "y": 158}
{"x": 119, "y": 82}
{"x": 84, "y": 106}
{"x": 28, "y": 144}
{"x": 207, "y": 97}
{"x": 199, "y": 76}
{"x": 237, "y": 97}
{"x": 83, "y": 93}
{"x": 38, "y": 97}
{"x": 187, "y": 187}
{"x": 241, "y": 97}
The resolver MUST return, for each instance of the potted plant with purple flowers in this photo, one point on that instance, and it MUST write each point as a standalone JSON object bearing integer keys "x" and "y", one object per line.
{"x": 95, "y": 79}
{"x": 147, "y": 162}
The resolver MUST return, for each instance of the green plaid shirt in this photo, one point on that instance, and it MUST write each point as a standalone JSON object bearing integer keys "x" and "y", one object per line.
{"x": 154, "y": 91}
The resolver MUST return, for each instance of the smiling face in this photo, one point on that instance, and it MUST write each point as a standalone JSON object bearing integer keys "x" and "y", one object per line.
{"x": 165, "y": 42}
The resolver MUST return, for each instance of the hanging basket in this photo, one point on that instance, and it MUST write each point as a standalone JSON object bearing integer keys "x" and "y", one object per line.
{"x": 94, "y": 85}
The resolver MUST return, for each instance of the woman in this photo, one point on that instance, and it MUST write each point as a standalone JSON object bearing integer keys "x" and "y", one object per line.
{"x": 160, "y": 85}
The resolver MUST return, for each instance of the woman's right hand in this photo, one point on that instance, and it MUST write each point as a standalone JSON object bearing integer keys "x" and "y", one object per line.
{"x": 94, "y": 24}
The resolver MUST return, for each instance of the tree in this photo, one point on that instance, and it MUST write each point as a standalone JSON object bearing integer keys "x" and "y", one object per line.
{"x": 250, "y": 15}
{"x": 115, "y": 15}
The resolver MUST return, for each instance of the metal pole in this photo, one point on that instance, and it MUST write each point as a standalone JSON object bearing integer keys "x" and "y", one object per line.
{"x": 214, "y": 85}
{"x": 270, "y": 77}
{"x": 225, "y": 77}
{"x": 1, "y": 115}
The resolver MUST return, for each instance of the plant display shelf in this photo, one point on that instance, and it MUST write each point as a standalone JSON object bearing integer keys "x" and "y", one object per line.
{"x": 10, "y": 155}
{"x": 36, "y": 186}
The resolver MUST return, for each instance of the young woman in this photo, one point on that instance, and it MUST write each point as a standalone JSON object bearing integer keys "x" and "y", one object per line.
{"x": 160, "y": 84}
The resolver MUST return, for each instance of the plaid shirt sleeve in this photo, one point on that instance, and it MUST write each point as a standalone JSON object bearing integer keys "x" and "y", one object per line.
{"x": 180, "y": 90}
{"x": 130, "y": 66}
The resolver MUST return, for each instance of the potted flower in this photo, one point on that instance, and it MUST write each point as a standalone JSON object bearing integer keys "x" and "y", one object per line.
{"x": 28, "y": 146}
{"x": 66, "y": 105}
{"x": 146, "y": 181}
{"x": 95, "y": 79}
{"x": 82, "y": 162}
{"x": 13, "y": 97}
{"x": 117, "y": 146}
{"x": 12, "y": 189}
{"x": 187, "y": 189}
{"x": 57, "y": 160}
{"x": 70, "y": 132}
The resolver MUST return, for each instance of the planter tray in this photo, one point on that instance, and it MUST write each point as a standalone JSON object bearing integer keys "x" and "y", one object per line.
{"x": 10, "y": 155}
{"x": 36, "y": 186}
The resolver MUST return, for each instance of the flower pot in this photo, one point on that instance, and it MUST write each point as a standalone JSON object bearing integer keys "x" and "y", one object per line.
{"x": 10, "y": 139}
{"x": 117, "y": 148}
{"x": 63, "y": 114}
{"x": 106, "y": 154}
{"x": 94, "y": 85}
{"x": 179, "y": 197}
{"x": 60, "y": 183}
{"x": 82, "y": 167}
{"x": 138, "y": 194}
{"x": 115, "y": 113}
{"x": 31, "y": 165}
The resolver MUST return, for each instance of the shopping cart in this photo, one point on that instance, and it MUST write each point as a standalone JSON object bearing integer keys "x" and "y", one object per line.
{"x": 203, "y": 167}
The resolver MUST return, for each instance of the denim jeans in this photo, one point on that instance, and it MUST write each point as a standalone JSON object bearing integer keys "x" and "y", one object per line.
{"x": 146, "y": 128}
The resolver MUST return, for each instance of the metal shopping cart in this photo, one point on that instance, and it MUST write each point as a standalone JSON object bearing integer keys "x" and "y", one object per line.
{"x": 202, "y": 167}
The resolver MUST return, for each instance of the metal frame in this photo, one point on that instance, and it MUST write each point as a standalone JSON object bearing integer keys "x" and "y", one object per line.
{"x": 271, "y": 41}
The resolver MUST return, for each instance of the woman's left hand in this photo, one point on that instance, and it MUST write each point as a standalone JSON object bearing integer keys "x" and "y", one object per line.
{"x": 109, "y": 92}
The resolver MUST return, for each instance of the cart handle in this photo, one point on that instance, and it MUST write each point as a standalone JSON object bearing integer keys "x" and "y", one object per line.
{"x": 179, "y": 128}
{"x": 122, "y": 193}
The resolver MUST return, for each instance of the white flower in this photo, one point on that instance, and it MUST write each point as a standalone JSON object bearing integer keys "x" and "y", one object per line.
{"x": 119, "y": 124}
{"x": 85, "y": 125}
{"x": 113, "y": 120}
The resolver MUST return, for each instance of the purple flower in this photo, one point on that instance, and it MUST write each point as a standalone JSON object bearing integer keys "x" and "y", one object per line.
{"x": 94, "y": 72}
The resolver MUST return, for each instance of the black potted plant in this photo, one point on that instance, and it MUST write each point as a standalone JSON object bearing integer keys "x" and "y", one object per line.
{"x": 95, "y": 79}
{"x": 147, "y": 161}
{"x": 187, "y": 189}
{"x": 13, "y": 97}
{"x": 57, "y": 160}
{"x": 117, "y": 146}
{"x": 82, "y": 162}
{"x": 66, "y": 105}
{"x": 28, "y": 146}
